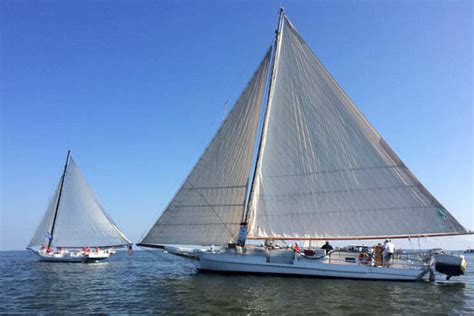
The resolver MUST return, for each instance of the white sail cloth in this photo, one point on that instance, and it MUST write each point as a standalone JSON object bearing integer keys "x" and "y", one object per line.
{"x": 208, "y": 208}
{"x": 324, "y": 171}
{"x": 81, "y": 220}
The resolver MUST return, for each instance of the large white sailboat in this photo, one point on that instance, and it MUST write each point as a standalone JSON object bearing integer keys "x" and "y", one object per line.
{"x": 75, "y": 226}
{"x": 321, "y": 172}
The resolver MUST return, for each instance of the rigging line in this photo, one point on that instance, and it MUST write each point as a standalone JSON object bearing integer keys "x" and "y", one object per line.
{"x": 189, "y": 268}
{"x": 225, "y": 110}
{"x": 411, "y": 244}
{"x": 155, "y": 254}
{"x": 215, "y": 212}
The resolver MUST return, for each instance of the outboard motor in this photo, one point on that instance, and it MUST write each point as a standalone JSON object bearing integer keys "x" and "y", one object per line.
{"x": 450, "y": 265}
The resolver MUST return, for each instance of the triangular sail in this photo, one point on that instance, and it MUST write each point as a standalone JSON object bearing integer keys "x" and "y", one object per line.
{"x": 324, "y": 172}
{"x": 209, "y": 206}
{"x": 81, "y": 220}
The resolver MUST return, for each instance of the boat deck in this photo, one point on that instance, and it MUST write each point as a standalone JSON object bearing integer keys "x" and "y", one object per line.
{"x": 337, "y": 257}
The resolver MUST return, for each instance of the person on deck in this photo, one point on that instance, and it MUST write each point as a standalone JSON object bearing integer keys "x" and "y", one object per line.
{"x": 43, "y": 248}
{"x": 378, "y": 254}
{"x": 388, "y": 251}
{"x": 327, "y": 247}
{"x": 297, "y": 247}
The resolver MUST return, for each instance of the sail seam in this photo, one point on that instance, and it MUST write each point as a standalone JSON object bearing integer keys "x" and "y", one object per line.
{"x": 217, "y": 187}
{"x": 201, "y": 224}
{"x": 353, "y": 210}
{"x": 342, "y": 191}
{"x": 334, "y": 171}
{"x": 207, "y": 205}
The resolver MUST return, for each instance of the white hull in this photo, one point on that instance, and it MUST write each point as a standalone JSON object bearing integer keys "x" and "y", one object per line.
{"x": 71, "y": 257}
{"x": 258, "y": 264}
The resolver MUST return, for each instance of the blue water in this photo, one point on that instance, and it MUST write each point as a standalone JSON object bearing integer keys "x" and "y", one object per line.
{"x": 153, "y": 282}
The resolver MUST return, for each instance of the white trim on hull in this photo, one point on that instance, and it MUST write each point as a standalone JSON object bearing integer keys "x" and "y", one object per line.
{"x": 257, "y": 264}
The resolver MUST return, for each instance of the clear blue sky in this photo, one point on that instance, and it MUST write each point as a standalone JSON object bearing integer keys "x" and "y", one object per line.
{"x": 136, "y": 89}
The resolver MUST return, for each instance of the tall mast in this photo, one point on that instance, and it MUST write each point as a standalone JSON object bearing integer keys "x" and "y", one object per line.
{"x": 276, "y": 56}
{"x": 59, "y": 199}
{"x": 267, "y": 108}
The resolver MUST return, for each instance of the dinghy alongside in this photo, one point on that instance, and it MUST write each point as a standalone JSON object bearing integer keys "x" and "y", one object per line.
{"x": 75, "y": 221}
{"x": 322, "y": 172}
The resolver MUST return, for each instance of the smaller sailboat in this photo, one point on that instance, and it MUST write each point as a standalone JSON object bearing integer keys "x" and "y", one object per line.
{"x": 75, "y": 226}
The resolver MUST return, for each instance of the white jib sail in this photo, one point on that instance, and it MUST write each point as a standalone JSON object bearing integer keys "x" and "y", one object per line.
{"x": 81, "y": 220}
{"x": 324, "y": 171}
{"x": 208, "y": 207}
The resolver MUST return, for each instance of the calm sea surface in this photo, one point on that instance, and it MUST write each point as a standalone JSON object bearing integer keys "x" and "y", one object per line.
{"x": 153, "y": 282}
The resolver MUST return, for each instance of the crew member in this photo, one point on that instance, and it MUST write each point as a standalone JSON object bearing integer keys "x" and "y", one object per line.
{"x": 297, "y": 247}
{"x": 378, "y": 254}
{"x": 327, "y": 247}
{"x": 388, "y": 251}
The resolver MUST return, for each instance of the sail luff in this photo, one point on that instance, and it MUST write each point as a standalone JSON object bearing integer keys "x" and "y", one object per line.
{"x": 261, "y": 146}
{"x": 58, "y": 200}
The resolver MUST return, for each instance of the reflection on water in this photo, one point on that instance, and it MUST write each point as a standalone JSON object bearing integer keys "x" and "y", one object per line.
{"x": 153, "y": 282}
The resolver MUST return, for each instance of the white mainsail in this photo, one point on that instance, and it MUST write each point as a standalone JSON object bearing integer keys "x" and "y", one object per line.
{"x": 209, "y": 206}
{"x": 81, "y": 220}
{"x": 324, "y": 171}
